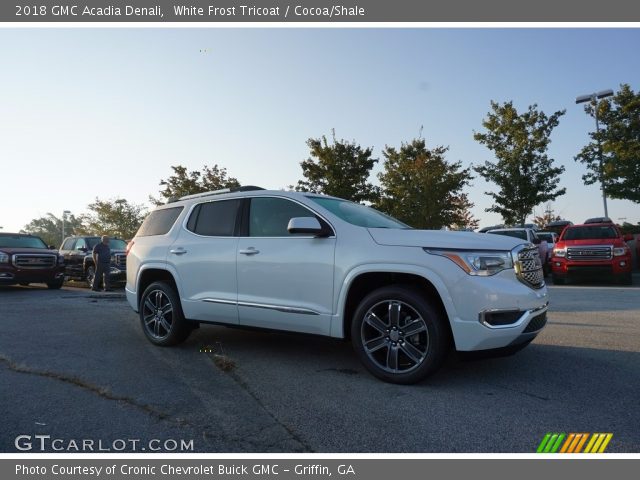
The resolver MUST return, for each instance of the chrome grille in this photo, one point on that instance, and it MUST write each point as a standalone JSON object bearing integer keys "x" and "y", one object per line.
{"x": 120, "y": 260}
{"x": 34, "y": 261}
{"x": 529, "y": 267}
{"x": 586, "y": 252}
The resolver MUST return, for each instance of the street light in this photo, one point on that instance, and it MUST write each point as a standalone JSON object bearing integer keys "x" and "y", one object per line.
{"x": 594, "y": 97}
{"x": 64, "y": 215}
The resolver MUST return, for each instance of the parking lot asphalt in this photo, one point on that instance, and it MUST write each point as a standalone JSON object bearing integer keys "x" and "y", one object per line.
{"x": 75, "y": 365}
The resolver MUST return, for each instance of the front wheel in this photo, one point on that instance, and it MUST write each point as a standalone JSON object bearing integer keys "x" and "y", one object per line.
{"x": 161, "y": 315}
{"x": 398, "y": 334}
{"x": 56, "y": 284}
{"x": 557, "y": 280}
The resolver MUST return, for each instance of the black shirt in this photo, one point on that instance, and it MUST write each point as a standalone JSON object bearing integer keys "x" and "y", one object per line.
{"x": 103, "y": 252}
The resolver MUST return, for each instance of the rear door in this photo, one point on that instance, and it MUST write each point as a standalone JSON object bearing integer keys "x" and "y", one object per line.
{"x": 204, "y": 256}
{"x": 285, "y": 281}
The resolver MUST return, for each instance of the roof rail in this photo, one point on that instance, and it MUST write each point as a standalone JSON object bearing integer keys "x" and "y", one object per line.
{"x": 246, "y": 188}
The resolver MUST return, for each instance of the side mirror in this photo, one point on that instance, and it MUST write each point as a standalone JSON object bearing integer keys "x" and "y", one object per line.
{"x": 628, "y": 237}
{"x": 51, "y": 247}
{"x": 305, "y": 225}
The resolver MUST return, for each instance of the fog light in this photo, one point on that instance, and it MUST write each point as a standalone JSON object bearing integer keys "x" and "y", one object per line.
{"x": 622, "y": 264}
{"x": 558, "y": 264}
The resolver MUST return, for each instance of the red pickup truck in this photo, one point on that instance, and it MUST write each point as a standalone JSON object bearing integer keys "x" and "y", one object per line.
{"x": 26, "y": 259}
{"x": 596, "y": 250}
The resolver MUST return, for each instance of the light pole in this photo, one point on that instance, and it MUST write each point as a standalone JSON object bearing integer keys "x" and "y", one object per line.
{"x": 594, "y": 97}
{"x": 64, "y": 215}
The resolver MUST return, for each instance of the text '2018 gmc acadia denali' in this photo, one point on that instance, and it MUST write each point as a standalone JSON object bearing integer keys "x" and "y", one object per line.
{"x": 317, "y": 264}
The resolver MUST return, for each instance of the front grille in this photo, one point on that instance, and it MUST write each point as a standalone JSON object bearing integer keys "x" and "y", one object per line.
{"x": 529, "y": 267}
{"x": 536, "y": 323}
{"x": 34, "y": 261}
{"x": 596, "y": 252}
{"x": 120, "y": 261}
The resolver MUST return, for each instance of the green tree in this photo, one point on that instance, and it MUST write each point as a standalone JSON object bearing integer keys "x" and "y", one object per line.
{"x": 117, "y": 218}
{"x": 49, "y": 228}
{"x": 541, "y": 221}
{"x": 524, "y": 174}
{"x": 184, "y": 182}
{"x": 466, "y": 220}
{"x": 341, "y": 169}
{"x": 422, "y": 189}
{"x": 619, "y": 136}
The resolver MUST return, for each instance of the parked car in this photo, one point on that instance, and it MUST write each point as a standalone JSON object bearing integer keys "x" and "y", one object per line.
{"x": 493, "y": 227}
{"x": 529, "y": 235}
{"x": 78, "y": 257}
{"x": 316, "y": 264}
{"x": 558, "y": 226}
{"x": 596, "y": 250}
{"x": 26, "y": 259}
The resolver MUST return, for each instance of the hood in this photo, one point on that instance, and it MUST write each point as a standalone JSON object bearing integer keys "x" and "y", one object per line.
{"x": 443, "y": 239}
{"x": 592, "y": 241}
{"x": 38, "y": 251}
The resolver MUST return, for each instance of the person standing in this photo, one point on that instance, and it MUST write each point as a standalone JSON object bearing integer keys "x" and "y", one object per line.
{"x": 102, "y": 262}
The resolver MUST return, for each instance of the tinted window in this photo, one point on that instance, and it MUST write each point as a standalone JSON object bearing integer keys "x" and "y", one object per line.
{"x": 68, "y": 244}
{"x": 159, "y": 222}
{"x": 512, "y": 233}
{"x": 590, "y": 232}
{"x": 269, "y": 217}
{"x": 80, "y": 243}
{"x": 214, "y": 219}
{"x": 20, "y": 241}
{"x": 357, "y": 214}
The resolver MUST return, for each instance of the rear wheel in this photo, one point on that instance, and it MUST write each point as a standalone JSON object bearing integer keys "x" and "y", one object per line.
{"x": 161, "y": 315}
{"x": 398, "y": 335}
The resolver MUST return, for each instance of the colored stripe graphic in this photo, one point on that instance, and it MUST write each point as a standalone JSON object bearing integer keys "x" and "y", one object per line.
{"x": 574, "y": 442}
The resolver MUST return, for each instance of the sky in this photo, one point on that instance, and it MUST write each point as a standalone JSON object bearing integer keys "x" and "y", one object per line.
{"x": 90, "y": 112}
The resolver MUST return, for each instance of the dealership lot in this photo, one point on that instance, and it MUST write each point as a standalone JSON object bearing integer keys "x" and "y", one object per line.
{"x": 75, "y": 366}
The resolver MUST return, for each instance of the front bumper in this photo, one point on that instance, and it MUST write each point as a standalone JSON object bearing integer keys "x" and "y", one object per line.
{"x": 13, "y": 276}
{"x": 478, "y": 323}
{"x": 561, "y": 267}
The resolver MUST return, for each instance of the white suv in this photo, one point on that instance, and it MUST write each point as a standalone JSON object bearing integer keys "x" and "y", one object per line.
{"x": 316, "y": 264}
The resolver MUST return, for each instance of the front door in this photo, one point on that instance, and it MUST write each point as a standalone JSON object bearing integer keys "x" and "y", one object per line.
{"x": 285, "y": 281}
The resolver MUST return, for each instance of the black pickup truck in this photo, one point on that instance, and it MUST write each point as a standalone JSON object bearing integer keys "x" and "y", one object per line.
{"x": 26, "y": 259}
{"x": 78, "y": 258}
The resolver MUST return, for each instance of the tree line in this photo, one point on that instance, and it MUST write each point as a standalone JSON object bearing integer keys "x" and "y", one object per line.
{"x": 417, "y": 183}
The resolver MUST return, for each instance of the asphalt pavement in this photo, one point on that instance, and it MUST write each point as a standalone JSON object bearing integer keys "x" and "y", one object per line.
{"x": 75, "y": 367}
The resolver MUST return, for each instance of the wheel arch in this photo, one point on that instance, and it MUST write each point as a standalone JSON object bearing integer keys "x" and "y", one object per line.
{"x": 361, "y": 282}
{"x": 152, "y": 274}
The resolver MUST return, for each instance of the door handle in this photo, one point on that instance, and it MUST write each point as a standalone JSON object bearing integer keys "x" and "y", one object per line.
{"x": 178, "y": 251}
{"x": 249, "y": 251}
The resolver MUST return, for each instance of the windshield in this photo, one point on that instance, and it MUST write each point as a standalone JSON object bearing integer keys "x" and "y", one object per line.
{"x": 114, "y": 243}
{"x": 357, "y": 214}
{"x": 590, "y": 232}
{"x": 21, "y": 241}
{"x": 545, "y": 236}
{"x": 521, "y": 234}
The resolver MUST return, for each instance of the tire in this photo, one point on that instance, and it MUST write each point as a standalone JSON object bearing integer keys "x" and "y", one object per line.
{"x": 89, "y": 275}
{"x": 382, "y": 343}
{"x": 558, "y": 280}
{"x": 161, "y": 316}
{"x": 625, "y": 279}
{"x": 55, "y": 285}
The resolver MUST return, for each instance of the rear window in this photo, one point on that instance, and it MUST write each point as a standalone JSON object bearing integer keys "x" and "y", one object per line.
{"x": 512, "y": 233}
{"x": 159, "y": 222}
{"x": 590, "y": 232}
{"x": 21, "y": 241}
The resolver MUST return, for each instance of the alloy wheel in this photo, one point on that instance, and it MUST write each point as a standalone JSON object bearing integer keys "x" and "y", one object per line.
{"x": 157, "y": 314}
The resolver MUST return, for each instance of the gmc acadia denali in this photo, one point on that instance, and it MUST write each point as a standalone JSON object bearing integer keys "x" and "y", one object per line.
{"x": 316, "y": 264}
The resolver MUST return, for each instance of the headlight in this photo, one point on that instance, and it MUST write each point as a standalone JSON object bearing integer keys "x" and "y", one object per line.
{"x": 619, "y": 251}
{"x": 481, "y": 263}
{"x": 4, "y": 257}
{"x": 560, "y": 252}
